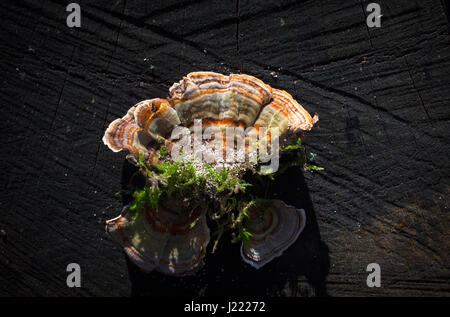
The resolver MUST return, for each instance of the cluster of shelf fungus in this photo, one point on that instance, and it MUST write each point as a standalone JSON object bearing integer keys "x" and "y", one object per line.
{"x": 173, "y": 241}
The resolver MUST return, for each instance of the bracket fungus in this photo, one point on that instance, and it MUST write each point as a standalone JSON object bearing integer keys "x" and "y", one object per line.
{"x": 165, "y": 240}
{"x": 236, "y": 113}
{"x": 273, "y": 231}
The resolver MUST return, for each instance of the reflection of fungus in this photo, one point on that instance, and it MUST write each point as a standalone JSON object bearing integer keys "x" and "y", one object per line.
{"x": 165, "y": 228}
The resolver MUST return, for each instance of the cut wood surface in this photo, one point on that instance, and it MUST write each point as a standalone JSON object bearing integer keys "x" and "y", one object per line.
{"x": 383, "y": 138}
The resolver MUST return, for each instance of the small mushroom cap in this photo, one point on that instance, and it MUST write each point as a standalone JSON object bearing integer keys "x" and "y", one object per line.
{"x": 274, "y": 230}
{"x": 170, "y": 242}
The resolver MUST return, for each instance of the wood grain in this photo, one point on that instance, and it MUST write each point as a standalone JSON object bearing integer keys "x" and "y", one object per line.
{"x": 382, "y": 96}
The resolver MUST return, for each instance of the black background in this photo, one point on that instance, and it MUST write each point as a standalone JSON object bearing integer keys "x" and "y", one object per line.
{"x": 381, "y": 93}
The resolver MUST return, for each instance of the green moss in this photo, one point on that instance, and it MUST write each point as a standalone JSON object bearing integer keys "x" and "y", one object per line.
{"x": 226, "y": 180}
{"x": 173, "y": 180}
{"x": 298, "y": 158}
{"x": 294, "y": 146}
{"x": 147, "y": 197}
{"x": 179, "y": 178}
{"x": 223, "y": 193}
{"x": 257, "y": 203}
{"x": 163, "y": 152}
{"x": 310, "y": 167}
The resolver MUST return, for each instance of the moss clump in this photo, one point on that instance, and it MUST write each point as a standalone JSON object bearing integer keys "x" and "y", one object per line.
{"x": 297, "y": 158}
{"x": 147, "y": 197}
{"x": 169, "y": 180}
{"x": 225, "y": 181}
{"x": 221, "y": 191}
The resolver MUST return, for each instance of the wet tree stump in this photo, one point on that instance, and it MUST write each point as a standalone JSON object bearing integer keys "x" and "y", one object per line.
{"x": 383, "y": 139}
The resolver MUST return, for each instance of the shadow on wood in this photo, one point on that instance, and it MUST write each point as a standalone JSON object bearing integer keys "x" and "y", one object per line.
{"x": 224, "y": 272}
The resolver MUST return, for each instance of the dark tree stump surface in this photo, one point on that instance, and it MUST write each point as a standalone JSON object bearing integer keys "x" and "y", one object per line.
{"x": 383, "y": 139}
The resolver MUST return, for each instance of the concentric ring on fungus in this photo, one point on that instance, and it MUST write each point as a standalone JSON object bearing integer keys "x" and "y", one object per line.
{"x": 219, "y": 100}
{"x": 237, "y": 100}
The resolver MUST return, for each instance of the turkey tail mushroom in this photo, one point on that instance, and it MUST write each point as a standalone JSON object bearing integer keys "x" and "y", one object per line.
{"x": 220, "y": 101}
{"x": 165, "y": 240}
{"x": 274, "y": 230}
